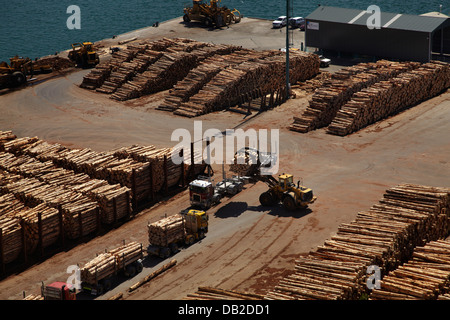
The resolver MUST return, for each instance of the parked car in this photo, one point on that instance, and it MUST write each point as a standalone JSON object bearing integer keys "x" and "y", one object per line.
{"x": 297, "y": 22}
{"x": 324, "y": 62}
{"x": 279, "y": 22}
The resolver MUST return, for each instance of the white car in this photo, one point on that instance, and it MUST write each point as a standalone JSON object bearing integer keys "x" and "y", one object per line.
{"x": 324, "y": 62}
{"x": 297, "y": 22}
{"x": 279, "y": 22}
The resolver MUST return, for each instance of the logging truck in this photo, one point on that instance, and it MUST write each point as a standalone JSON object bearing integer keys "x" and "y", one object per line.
{"x": 168, "y": 234}
{"x": 102, "y": 280}
{"x": 58, "y": 291}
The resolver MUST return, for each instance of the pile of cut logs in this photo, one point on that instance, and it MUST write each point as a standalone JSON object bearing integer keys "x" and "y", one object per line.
{"x": 328, "y": 100}
{"x": 210, "y": 293}
{"x": 11, "y": 239}
{"x": 108, "y": 263}
{"x": 426, "y": 276}
{"x": 407, "y": 216}
{"x": 389, "y": 97}
{"x": 166, "y": 231}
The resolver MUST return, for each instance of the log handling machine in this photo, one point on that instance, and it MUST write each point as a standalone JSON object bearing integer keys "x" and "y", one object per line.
{"x": 15, "y": 73}
{"x": 84, "y": 54}
{"x": 204, "y": 194}
{"x": 211, "y": 14}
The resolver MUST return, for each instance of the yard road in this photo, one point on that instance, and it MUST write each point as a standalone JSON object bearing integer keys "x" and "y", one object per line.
{"x": 248, "y": 247}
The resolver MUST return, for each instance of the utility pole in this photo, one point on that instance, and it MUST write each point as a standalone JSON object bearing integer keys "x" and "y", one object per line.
{"x": 287, "y": 49}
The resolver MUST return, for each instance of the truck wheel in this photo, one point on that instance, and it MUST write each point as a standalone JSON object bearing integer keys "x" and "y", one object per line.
{"x": 174, "y": 248}
{"x": 107, "y": 285}
{"x": 19, "y": 78}
{"x": 267, "y": 199}
{"x": 130, "y": 271}
{"x": 164, "y": 253}
{"x": 289, "y": 203}
{"x": 139, "y": 266}
{"x": 100, "y": 289}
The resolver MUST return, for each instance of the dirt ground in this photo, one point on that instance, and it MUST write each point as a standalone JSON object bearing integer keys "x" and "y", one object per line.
{"x": 248, "y": 247}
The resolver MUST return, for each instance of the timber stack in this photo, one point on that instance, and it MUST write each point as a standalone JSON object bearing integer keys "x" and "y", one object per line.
{"x": 227, "y": 88}
{"x": 166, "y": 231}
{"x": 389, "y": 97}
{"x": 245, "y": 163}
{"x": 211, "y": 293}
{"x": 407, "y": 216}
{"x": 329, "y": 99}
{"x": 11, "y": 236}
{"x": 425, "y": 277}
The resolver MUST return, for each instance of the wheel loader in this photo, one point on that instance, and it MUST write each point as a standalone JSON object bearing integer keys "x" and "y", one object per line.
{"x": 285, "y": 191}
{"x": 84, "y": 54}
{"x": 211, "y": 14}
{"x": 15, "y": 74}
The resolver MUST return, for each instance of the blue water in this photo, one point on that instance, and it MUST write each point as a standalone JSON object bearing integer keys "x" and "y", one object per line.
{"x": 37, "y": 28}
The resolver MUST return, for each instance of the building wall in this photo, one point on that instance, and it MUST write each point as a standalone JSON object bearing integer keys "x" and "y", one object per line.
{"x": 358, "y": 39}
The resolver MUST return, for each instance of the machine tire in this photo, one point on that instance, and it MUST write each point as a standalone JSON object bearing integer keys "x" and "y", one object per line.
{"x": 208, "y": 22}
{"x": 267, "y": 199}
{"x": 139, "y": 266}
{"x": 107, "y": 284}
{"x": 130, "y": 271}
{"x": 289, "y": 203}
{"x": 165, "y": 253}
{"x": 19, "y": 78}
{"x": 100, "y": 289}
{"x": 173, "y": 248}
{"x": 186, "y": 18}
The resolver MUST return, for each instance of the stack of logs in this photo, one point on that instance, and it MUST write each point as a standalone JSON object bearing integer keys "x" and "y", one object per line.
{"x": 112, "y": 199}
{"x": 245, "y": 163}
{"x": 109, "y": 263}
{"x": 166, "y": 231}
{"x": 407, "y": 216}
{"x": 210, "y": 293}
{"x": 328, "y": 100}
{"x": 389, "y": 97}
{"x": 424, "y": 277}
{"x": 266, "y": 74}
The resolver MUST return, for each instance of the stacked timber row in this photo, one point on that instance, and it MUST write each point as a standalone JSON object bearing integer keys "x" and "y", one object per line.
{"x": 199, "y": 76}
{"x": 389, "y": 97}
{"x": 6, "y": 136}
{"x": 226, "y": 88}
{"x": 166, "y": 231}
{"x": 329, "y": 99}
{"x": 112, "y": 199}
{"x": 210, "y": 293}
{"x": 426, "y": 276}
{"x": 172, "y": 67}
{"x": 109, "y": 263}
{"x": 107, "y": 76}
{"x": 407, "y": 216}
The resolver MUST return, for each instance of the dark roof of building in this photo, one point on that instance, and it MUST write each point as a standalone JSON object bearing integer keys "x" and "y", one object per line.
{"x": 388, "y": 20}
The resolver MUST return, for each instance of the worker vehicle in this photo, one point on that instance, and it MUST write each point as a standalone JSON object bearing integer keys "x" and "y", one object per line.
{"x": 297, "y": 22}
{"x": 194, "y": 228}
{"x": 104, "y": 280}
{"x": 285, "y": 191}
{"x": 211, "y": 14}
{"x": 58, "y": 291}
{"x": 15, "y": 73}
{"x": 84, "y": 54}
{"x": 279, "y": 22}
{"x": 324, "y": 62}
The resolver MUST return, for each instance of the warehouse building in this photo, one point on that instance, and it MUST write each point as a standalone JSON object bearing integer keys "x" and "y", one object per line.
{"x": 400, "y": 36}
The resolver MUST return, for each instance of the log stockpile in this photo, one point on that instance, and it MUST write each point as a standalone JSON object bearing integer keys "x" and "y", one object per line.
{"x": 79, "y": 213}
{"x": 11, "y": 236}
{"x": 166, "y": 231}
{"x": 407, "y": 216}
{"x": 426, "y": 276}
{"x": 389, "y": 97}
{"x": 112, "y": 199}
{"x": 210, "y": 293}
{"x": 329, "y": 99}
{"x": 266, "y": 74}
{"x": 106, "y": 264}
{"x": 6, "y": 136}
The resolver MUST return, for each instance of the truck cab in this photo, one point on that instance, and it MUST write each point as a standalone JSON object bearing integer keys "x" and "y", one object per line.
{"x": 202, "y": 194}
{"x": 196, "y": 223}
{"x": 58, "y": 291}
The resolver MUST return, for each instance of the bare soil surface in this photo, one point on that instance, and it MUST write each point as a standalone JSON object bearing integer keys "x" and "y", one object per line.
{"x": 248, "y": 247}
